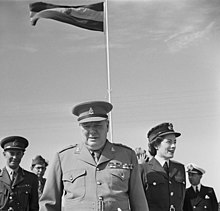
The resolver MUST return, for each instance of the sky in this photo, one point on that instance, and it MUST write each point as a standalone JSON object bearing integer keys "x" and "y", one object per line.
{"x": 164, "y": 60}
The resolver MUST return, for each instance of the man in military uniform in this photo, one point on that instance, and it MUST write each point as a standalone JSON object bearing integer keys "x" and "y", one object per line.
{"x": 94, "y": 175}
{"x": 38, "y": 167}
{"x": 199, "y": 197}
{"x": 18, "y": 187}
{"x": 163, "y": 179}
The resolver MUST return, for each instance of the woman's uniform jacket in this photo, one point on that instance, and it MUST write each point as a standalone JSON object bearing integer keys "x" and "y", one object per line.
{"x": 163, "y": 192}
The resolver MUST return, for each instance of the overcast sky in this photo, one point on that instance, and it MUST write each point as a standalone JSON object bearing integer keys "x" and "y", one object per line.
{"x": 164, "y": 66}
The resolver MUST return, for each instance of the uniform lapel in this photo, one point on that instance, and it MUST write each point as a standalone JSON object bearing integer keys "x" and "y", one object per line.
{"x": 107, "y": 153}
{"x": 84, "y": 154}
{"x": 4, "y": 177}
{"x": 155, "y": 166}
{"x": 19, "y": 176}
{"x": 201, "y": 194}
{"x": 173, "y": 169}
{"x": 195, "y": 199}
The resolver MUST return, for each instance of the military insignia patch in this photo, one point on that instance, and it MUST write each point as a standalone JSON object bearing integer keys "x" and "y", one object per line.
{"x": 170, "y": 126}
{"x": 120, "y": 165}
{"x": 16, "y": 143}
{"x": 91, "y": 111}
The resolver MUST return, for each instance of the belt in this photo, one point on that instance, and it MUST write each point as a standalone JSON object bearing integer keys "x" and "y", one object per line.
{"x": 96, "y": 205}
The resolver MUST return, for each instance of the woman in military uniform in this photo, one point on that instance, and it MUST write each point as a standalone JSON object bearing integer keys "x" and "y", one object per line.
{"x": 163, "y": 179}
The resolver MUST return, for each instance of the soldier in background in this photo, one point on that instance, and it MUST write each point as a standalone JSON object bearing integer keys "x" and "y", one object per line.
{"x": 163, "y": 179}
{"x": 199, "y": 197}
{"x": 18, "y": 187}
{"x": 94, "y": 174}
{"x": 38, "y": 167}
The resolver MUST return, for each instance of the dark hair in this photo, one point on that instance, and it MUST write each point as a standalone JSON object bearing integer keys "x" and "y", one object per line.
{"x": 151, "y": 145}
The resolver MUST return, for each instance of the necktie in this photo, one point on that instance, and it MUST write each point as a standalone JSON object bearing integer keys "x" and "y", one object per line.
{"x": 95, "y": 156}
{"x": 166, "y": 168}
{"x": 12, "y": 176}
{"x": 197, "y": 190}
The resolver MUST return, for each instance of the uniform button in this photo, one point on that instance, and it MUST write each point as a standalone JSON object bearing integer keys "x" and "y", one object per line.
{"x": 205, "y": 206}
{"x": 170, "y": 182}
{"x": 154, "y": 183}
{"x": 97, "y": 169}
{"x": 100, "y": 198}
{"x": 10, "y": 197}
{"x": 194, "y": 207}
{"x": 99, "y": 183}
{"x": 171, "y": 193}
{"x": 10, "y": 209}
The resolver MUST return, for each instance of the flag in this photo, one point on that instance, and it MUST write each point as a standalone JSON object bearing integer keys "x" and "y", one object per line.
{"x": 85, "y": 16}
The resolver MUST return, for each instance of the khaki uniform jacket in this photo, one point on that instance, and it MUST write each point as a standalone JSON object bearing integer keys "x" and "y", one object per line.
{"x": 205, "y": 200}
{"x": 22, "y": 194}
{"x": 163, "y": 192}
{"x": 114, "y": 182}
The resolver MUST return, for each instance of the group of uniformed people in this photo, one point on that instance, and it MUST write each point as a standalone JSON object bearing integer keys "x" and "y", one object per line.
{"x": 94, "y": 174}
{"x": 164, "y": 180}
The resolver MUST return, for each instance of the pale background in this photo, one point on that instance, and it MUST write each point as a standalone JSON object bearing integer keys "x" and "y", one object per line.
{"x": 164, "y": 64}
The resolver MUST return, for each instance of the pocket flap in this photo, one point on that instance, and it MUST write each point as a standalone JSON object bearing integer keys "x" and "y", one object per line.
{"x": 122, "y": 174}
{"x": 71, "y": 176}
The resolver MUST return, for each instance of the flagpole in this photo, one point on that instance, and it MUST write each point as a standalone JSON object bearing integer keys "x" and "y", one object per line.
{"x": 108, "y": 69}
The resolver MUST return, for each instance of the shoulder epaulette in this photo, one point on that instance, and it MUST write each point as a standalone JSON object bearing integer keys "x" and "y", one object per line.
{"x": 68, "y": 147}
{"x": 122, "y": 145}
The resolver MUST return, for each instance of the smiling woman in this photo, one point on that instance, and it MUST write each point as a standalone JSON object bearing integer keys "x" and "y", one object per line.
{"x": 164, "y": 65}
{"x": 163, "y": 179}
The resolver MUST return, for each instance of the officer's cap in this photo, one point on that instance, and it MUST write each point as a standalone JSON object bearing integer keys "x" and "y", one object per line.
{"x": 161, "y": 130}
{"x": 39, "y": 160}
{"x": 14, "y": 142}
{"x": 194, "y": 169}
{"x": 92, "y": 111}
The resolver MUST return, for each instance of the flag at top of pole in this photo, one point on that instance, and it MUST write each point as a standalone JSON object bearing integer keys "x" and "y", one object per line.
{"x": 89, "y": 17}
{"x": 92, "y": 17}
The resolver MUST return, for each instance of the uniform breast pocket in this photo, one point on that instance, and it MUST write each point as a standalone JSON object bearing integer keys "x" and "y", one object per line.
{"x": 74, "y": 183}
{"x": 156, "y": 186}
{"x": 179, "y": 186}
{"x": 120, "y": 179}
{"x": 3, "y": 195}
{"x": 23, "y": 194}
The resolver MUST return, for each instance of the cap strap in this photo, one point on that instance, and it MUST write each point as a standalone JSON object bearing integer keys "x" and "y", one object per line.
{"x": 92, "y": 115}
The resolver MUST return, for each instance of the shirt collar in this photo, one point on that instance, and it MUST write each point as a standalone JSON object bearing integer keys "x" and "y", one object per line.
{"x": 194, "y": 187}
{"x": 161, "y": 161}
{"x": 9, "y": 170}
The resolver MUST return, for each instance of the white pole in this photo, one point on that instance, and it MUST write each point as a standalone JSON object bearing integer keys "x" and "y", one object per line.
{"x": 108, "y": 70}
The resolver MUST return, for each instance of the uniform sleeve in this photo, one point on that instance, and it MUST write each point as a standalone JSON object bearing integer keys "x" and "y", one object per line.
{"x": 137, "y": 197}
{"x": 214, "y": 201}
{"x": 34, "y": 203}
{"x": 187, "y": 204}
{"x": 51, "y": 199}
{"x": 143, "y": 174}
